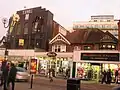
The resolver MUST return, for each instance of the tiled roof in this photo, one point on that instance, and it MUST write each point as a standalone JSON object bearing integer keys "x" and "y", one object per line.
{"x": 87, "y": 36}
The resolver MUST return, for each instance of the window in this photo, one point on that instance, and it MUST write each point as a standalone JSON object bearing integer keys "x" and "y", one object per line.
{"x": 26, "y": 28}
{"x": 26, "y": 16}
{"x": 108, "y": 20}
{"x": 113, "y": 46}
{"x": 59, "y": 48}
{"x": 87, "y": 48}
{"x": 109, "y": 46}
{"x": 77, "y": 48}
{"x": 104, "y": 46}
{"x": 34, "y": 27}
{"x": 18, "y": 32}
{"x": 63, "y": 48}
{"x": 95, "y": 20}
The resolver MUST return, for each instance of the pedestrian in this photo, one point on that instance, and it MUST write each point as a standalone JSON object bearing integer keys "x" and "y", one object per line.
{"x": 109, "y": 76}
{"x": 103, "y": 77}
{"x": 12, "y": 76}
{"x": 116, "y": 76}
{"x": 4, "y": 76}
{"x": 50, "y": 75}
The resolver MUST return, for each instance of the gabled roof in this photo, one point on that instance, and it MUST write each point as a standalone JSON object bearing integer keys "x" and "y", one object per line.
{"x": 87, "y": 36}
{"x": 62, "y": 36}
{"x": 108, "y": 37}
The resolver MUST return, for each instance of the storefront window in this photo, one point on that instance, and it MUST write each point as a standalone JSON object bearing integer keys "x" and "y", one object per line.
{"x": 42, "y": 67}
{"x": 93, "y": 70}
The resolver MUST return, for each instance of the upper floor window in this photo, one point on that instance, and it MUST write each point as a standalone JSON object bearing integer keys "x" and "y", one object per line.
{"x": 26, "y": 28}
{"x": 95, "y": 20}
{"x": 59, "y": 48}
{"x": 34, "y": 27}
{"x": 77, "y": 48}
{"x": 108, "y": 46}
{"x": 87, "y": 48}
{"x": 18, "y": 32}
{"x": 108, "y": 20}
{"x": 26, "y": 16}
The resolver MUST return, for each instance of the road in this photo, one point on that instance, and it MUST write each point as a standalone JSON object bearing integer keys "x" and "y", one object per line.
{"x": 59, "y": 84}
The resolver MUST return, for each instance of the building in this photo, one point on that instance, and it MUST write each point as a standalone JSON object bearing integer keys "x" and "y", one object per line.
{"x": 65, "y": 46}
{"x": 57, "y": 28}
{"x": 102, "y": 22}
{"x": 81, "y": 41}
{"x": 119, "y": 35}
{"x": 33, "y": 30}
{"x": 87, "y": 39}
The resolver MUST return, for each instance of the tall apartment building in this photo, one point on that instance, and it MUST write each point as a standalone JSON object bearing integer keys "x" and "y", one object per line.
{"x": 102, "y": 22}
{"x": 33, "y": 30}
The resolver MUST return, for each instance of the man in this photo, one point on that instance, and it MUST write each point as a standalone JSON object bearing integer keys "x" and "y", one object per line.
{"x": 104, "y": 74}
{"x": 12, "y": 76}
{"x": 4, "y": 76}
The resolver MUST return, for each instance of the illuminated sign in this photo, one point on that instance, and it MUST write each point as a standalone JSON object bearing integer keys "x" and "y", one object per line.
{"x": 21, "y": 42}
{"x": 33, "y": 66}
{"x": 51, "y": 54}
{"x": 100, "y": 56}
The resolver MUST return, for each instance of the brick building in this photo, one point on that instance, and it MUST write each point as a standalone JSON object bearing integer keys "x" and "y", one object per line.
{"x": 86, "y": 39}
{"x": 33, "y": 30}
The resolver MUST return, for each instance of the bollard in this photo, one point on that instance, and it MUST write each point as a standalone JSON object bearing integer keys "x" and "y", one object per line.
{"x": 31, "y": 83}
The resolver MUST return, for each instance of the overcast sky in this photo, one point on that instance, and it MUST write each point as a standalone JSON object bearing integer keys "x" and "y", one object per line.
{"x": 65, "y": 11}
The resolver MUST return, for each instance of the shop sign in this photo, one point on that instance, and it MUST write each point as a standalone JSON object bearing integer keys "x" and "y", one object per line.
{"x": 21, "y": 42}
{"x": 51, "y": 54}
{"x": 100, "y": 56}
{"x": 27, "y": 11}
{"x": 33, "y": 66}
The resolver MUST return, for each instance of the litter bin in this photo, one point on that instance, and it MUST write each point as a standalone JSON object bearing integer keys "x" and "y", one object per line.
{"x": 73, "y": 84}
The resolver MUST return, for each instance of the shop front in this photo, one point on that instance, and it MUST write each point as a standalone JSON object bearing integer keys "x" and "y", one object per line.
{"x": 58, "y": 64}
{"x": 93, "y": 71}
{"x": 20, "y": 61}
{"x": 89, "y": 65}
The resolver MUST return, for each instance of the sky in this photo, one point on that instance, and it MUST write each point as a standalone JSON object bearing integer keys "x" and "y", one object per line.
{"x": 65, "y": 11}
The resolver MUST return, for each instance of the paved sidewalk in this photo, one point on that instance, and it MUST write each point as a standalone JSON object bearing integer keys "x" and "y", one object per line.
{"x": 41, "y": 83}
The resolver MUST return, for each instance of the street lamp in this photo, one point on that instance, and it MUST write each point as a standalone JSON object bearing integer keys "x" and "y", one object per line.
{"x": 14, "y": 19}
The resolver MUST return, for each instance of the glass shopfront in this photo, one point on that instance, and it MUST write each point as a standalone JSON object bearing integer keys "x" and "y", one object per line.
{"x": 59, "y": 66}
{"x": 93, "y": 70}
{"x": 63, "y": 67}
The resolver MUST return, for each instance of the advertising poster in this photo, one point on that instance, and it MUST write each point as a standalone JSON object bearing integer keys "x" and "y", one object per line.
{"x": 33, "y": 66}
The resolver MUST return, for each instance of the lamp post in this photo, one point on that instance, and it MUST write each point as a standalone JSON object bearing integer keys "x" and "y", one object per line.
{"x": 15, "y": 18}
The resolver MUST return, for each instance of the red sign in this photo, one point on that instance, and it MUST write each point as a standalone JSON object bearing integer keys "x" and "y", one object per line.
{"x": 33, "y": 66}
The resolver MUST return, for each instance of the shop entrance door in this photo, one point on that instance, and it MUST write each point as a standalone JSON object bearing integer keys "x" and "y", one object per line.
{"x": 52, "y": 65}
{"x": 96, "y": 72}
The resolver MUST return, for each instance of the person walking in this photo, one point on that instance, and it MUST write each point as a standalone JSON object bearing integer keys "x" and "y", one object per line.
{"x": 50, "y": 75}
{"x": 116, "y": 76}
{"x": 109, "y": 76}
{"x": 4, "y": 76}
{"x": 12, "y": 76}
{"x": 104, "y": 77}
